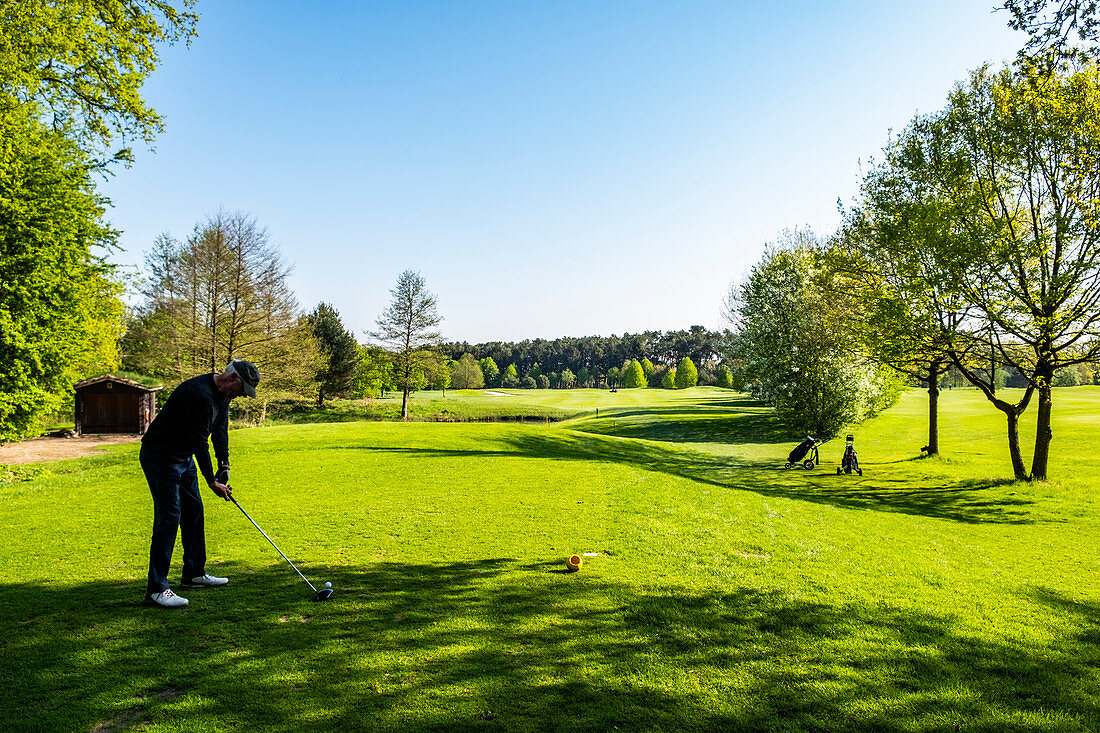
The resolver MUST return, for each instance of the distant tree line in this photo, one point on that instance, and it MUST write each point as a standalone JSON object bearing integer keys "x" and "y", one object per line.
{"x": 597, "y": 360}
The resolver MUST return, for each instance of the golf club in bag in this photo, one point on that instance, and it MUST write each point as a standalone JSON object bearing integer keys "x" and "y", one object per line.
{"x": 798, "y": 456}
{"x": 319, "y": 595}
{"x": 850, "y": 462}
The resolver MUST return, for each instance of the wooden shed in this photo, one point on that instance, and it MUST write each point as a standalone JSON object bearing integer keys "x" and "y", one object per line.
{"x": 110, "y": 404}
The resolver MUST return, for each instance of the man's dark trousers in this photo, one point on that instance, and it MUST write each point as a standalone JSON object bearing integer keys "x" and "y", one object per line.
{"x": 177, "y": 504}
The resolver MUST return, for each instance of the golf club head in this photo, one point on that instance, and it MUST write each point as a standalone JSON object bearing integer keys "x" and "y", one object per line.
{"x": 323, "y": 595}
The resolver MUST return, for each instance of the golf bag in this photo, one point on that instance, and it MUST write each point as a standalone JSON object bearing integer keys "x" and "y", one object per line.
{"x": 849, "y": 462}
{"x": 806, "y": 447}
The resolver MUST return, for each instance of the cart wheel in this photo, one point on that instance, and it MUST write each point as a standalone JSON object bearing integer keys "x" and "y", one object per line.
{"x": 788, "y": 465}
{"x": 808, "y": 465}
{"x": 839, "y": 471}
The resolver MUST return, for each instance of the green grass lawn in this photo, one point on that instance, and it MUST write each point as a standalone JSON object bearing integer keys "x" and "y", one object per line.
{"x": 727, "y": 594}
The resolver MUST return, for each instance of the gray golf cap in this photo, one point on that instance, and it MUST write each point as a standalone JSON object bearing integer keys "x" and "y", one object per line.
{"x": 249, "y": 374}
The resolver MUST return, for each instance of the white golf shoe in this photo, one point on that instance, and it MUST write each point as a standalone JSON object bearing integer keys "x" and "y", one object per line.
{"x": 204, "y": 581}
{"x": 165, "y": 598}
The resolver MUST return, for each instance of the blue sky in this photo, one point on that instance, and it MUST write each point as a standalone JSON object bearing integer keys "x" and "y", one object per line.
{"x": 551, "y": 169}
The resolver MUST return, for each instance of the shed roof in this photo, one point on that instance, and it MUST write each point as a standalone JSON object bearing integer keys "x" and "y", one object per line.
{"x": 116, "y": 380}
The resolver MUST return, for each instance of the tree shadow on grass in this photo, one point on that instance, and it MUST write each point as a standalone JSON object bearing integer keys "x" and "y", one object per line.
{"x": 732, "y": 423}
{"x": 960, "y": 500}
{"x": 498, "y": 644}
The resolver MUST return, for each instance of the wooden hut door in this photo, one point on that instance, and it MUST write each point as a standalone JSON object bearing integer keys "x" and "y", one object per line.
{"x": 110, "y": 413}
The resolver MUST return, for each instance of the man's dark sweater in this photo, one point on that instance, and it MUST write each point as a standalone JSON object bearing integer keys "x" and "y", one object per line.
{"x": 196, "y": 410}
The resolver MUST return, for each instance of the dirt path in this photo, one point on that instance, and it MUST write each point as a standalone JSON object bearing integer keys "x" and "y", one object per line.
{"x": 57, "y": 449}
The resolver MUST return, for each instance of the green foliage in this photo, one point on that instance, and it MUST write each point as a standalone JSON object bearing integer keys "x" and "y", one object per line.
{"x": 511, "y": 377}
{"x": 374, "y": 374}
{"x": 490, "y": 371}
{"x": 635, "y": 376}
{"x": 81, "y": 65}
{"x": 725, "y": 377}
{"x": 466, "y": 373}
{"x": 614, "y": 377}
{"x": 669, "y": 380}
{"x": 528, "y": 383}
{"x": 687, "y": 375}
{"x": 567, "y": 379}
{"x": 790, "y": 348}
{"x": 221, "y": 295}
{"x": 340, "y": 349}
{"x": 535, "y": 371}
{"x": 408, "y": 326}
{"x": 60, "y": 313}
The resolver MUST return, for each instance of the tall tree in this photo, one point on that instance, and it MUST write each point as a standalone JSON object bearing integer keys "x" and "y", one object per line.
{"x": 687, "y": 375}
{"x": 80, "y": 65}
{"x": 59, "y": 309}
{"x": 223, "y": 294}
{"x": 408, "y": 327}
{"x": 466, "y": 373}
{"x": 1023, "y": 181}
{"x": 340, "y": 350}
{"x": 634, "y": 376}
{"x": 490, "y": 371}
{"x": 788, "y": 348}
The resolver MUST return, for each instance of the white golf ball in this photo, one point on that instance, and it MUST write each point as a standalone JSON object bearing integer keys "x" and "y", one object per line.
{"x": 328, "y": 585}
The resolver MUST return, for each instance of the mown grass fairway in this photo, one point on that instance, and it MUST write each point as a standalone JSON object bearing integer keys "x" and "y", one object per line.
{"x": 728, "y": 594}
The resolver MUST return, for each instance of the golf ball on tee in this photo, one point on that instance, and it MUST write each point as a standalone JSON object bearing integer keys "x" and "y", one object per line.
{"x": 328, "y": 585}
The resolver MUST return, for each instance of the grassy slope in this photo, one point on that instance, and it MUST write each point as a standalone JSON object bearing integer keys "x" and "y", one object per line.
{"x": 729, "y": 593}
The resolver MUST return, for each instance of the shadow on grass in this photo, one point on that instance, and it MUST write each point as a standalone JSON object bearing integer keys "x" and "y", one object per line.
{"x": 962, "y": 500}
{"x": 500, "y": 645}
{"x": 727, "y": 422}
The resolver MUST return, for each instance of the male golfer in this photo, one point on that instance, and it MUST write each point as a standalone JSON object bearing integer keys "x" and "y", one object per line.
{"x": 196, "y": 410}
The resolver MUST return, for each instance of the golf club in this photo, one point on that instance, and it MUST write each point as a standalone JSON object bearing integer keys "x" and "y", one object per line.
{"x": 319, "y": 595}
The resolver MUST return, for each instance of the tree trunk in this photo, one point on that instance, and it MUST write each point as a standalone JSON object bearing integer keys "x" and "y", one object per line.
{"x": 1014, "y": 444}
{"x": 1043, "y": 433}
{"x": 933, "y": 447}
{"x": 405, "y": 403}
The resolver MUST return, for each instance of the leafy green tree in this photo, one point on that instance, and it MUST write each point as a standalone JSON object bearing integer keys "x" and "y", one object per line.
{"x": 490, "y": 372}
{"x": 583, "y": 376}
{"x": 790, "y": 349}
{"x": 648, "y": 369}
{"x": 340, "y": 350}
{"x": 686, "y": 374}
{"x": 374, "y": 373}
{"x": 669, "y": 380}
{"x": 224, "y": 294}
{"x": 1010, "y": 166}
{"x": 466, "y": 373}
{"x": 528, "y": 382}
{"x": 635, "y": 376}
{"x": 542, "y": 382}
{"x": 437, "y": 372}
{"x": 535, "y": 371}
{"x": 60, "y": 314}
{"x": 567, "y": 379}
{"x": 725, "y": 377}
{"x": 614, "y": 377}
{"x": 408, "y": 327}
{"x": 511, "y": 377}
{"x": 80, "y": 65}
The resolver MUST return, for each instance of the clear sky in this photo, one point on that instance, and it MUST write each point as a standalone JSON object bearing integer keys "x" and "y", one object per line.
{"x": 552, "y": 169}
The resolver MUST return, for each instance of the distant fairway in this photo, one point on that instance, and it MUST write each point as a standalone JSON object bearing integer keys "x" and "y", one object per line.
{"x": 728, "y": 593}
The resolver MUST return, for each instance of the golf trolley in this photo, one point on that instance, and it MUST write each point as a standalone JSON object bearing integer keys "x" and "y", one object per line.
{"x": 849, "y": 462}
{"x": 798, "y": 456}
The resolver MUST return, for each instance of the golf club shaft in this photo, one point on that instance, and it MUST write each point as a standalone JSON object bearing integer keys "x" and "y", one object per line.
{"x": 273, "y": 544}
